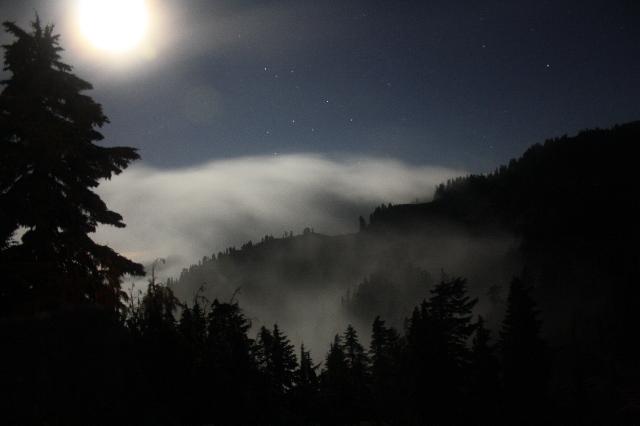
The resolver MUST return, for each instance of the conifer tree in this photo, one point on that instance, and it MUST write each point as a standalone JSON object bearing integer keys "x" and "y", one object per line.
{"x": 158, "y": 344}
{"x": 51, "y": 163}
{"x": 193, "y": 326}
{"x": 227, "y": 337}
{"x": 450, "y": 311}
{"x": 383, "y": 348}
{"x": 264, "y": 348}
{"x": 193, "y": 399}
{"x": 385, "y": 355}
{"x": 334, "y": 385}
{"x": 277, "y": 359}
{"x": 306, "y": 388}
{"x": 158, "y": 306}
{"x": 523, "y": 355}
{"x": 230, "y": 363}
{"x": 336, "y": 365}
{"x": 484, "y": 374}
{"x": 357, "y": 379}
{"x": 306, "y": 378}
{"x": 438, "y": 356}
{"x": 355, "y": 355}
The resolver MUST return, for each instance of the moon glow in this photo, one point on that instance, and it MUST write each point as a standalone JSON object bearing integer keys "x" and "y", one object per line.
{"x": 116, "y": 26}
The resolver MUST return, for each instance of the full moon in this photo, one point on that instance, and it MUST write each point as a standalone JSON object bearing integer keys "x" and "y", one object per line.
{"x": 115, "y": 26}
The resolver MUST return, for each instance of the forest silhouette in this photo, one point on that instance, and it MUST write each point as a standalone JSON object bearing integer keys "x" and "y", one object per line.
{"x": 78, "y": 349}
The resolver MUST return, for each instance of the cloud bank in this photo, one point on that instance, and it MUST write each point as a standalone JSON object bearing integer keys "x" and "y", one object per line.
{"x": 184, "y": 214}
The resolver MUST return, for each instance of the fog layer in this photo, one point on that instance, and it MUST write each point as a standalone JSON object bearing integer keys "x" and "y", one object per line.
{"x": 184, "y": 214}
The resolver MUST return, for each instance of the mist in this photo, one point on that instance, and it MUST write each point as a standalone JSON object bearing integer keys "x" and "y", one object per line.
{"x": 184, "y": 214}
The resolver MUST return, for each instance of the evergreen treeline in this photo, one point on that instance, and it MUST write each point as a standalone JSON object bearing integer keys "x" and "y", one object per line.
{"x": 163, "y": 362}
{"x": 570, "y": 204}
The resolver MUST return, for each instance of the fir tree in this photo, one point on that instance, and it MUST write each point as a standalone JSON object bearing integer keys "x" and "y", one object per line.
{"x": 336, "y": 366}
{"x": 335, "y": 392}
{"x": 523, "y": 356}
{"x": 450, "y": 312}
{"x": 227, "y": 338}
{"x": 306, "y": 378}
{"x": 385, "y": 358}
{"x": 357, "y": 377}
{"x": 306, "y": 388}
{"x": 193, "y": 399}
{"x": 231, "y": 364}
{"x": 484, "y": 374}
{"x": 193, "y": 326}
{"x": 50, "y": 166}
{"x": 438, "y": 356}
{"x": 355, "y": 355}
{"x": 264, "y": 348}
{"x": 158, "y": 306}
{"x": 277, "y": 359}
{"x": 383, "y": 349}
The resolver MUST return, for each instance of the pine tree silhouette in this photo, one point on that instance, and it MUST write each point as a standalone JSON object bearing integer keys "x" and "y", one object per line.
{"x": 344, "y": 380}
{"x": 437, "y": 336}
{"x": 484, "y": 375}
{"x": 304, "y": 396}
{"x": 306, "y": 379}
{"x": 50, "y": 165}
{"x": 192, "y": 364}
{"x": 334, "y": 384}
{"x": 523, "y": 357}
{"x": 385, "y": 355}
{"x": 355, "y": 355}
{"x": 278, "y": 364}
{"x": 231, "y": 366}
{"x": 277, "y": 359}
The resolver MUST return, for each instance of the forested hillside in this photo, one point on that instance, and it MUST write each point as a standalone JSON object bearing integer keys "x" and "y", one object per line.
{"x": 564, "y": 211}
{"x": 312, "y": 283}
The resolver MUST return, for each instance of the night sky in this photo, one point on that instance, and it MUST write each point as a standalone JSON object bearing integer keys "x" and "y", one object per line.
{"x": 461, "y": 84}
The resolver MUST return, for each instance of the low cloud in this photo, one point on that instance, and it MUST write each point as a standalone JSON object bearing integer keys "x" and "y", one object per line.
{"x": 184, "y": 214}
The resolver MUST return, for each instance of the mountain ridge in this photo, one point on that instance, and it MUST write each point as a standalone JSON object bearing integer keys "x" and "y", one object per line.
{"x": 563, "y": 211}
